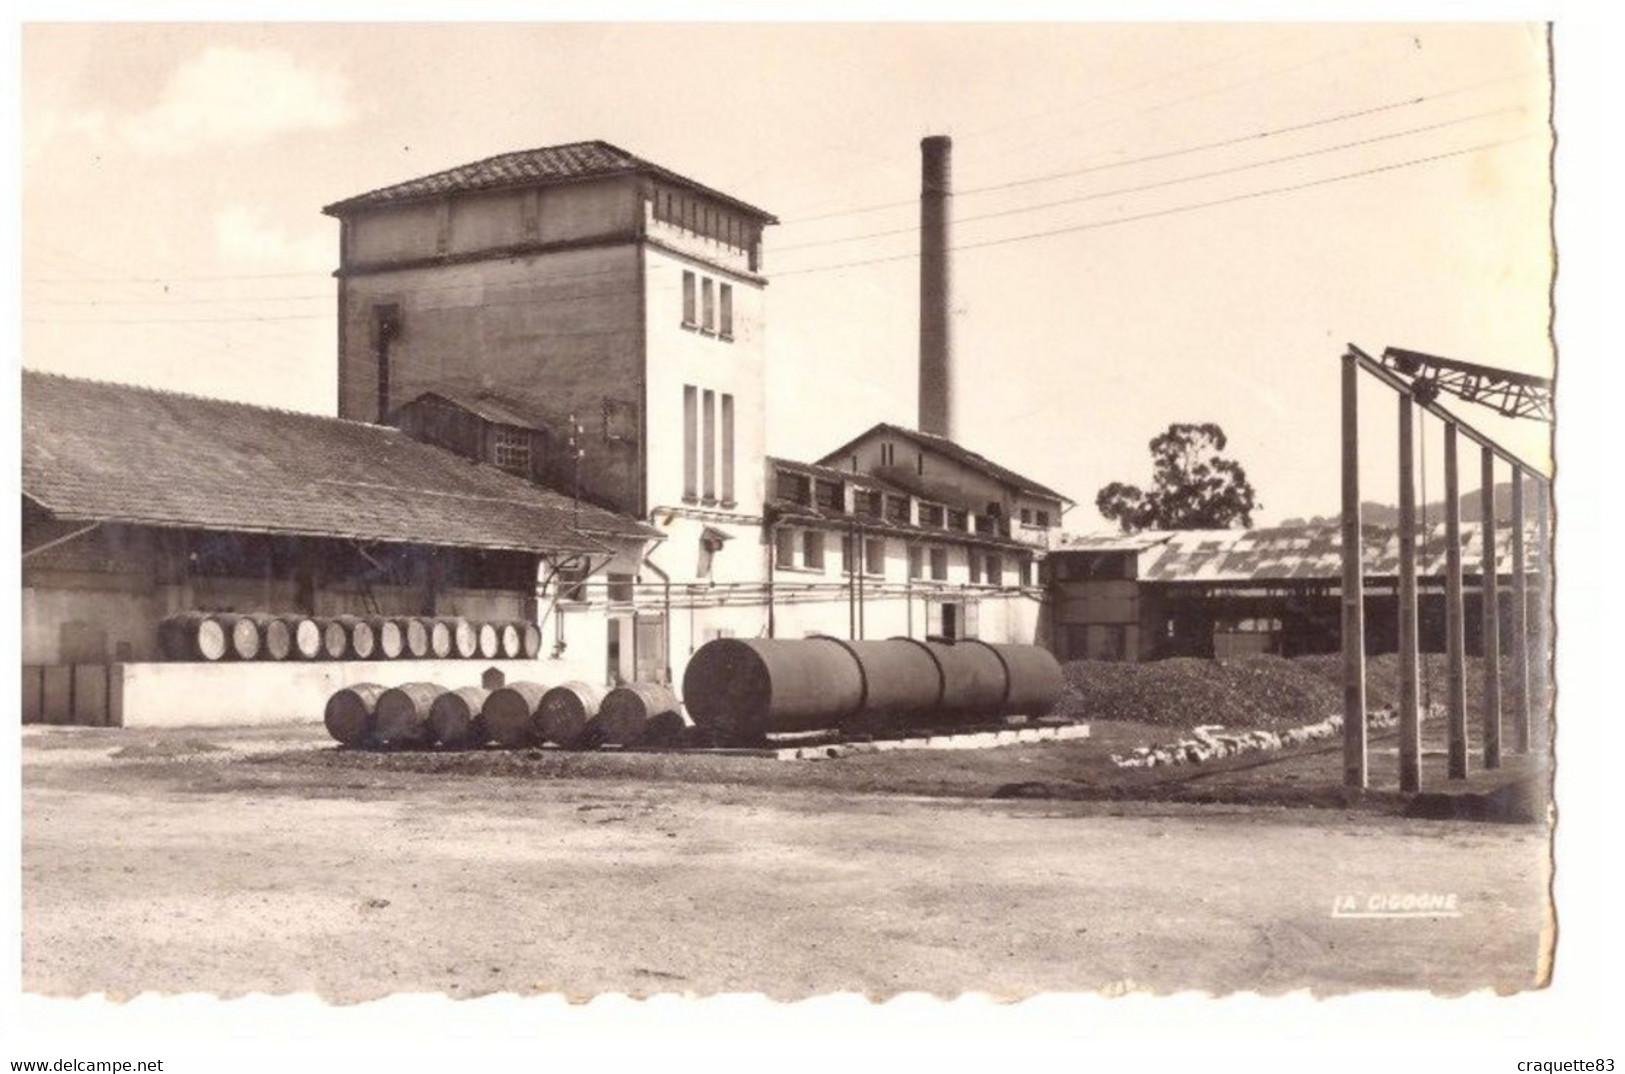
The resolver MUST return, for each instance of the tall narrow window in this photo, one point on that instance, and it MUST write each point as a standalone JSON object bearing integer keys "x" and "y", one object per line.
{"x": 708, "y": 448}
{"x": 727, "y": 449}
{"x": 916, "y": 562}
{"x": 708, "y": 306}
{"x": 691, "y": 441}
{"x": 812, "y": 549}
{"x": 386, "y": 326}
{"x": 975, "y": 562}
{"x": 726, "y": 295}
{"x": 688, "y": 300}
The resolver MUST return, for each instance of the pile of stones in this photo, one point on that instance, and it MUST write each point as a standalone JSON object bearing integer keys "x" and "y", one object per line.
{"x": 1210, "y": 741}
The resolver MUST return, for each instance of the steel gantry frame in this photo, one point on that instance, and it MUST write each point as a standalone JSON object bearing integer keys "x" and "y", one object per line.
{"x": 1418, "y": 379}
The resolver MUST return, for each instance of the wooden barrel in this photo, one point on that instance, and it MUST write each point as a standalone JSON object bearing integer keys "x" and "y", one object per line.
{"x": 194, "y": 636}
{"x": 304, "y": 637}
{"x": 414, "y": 638}
{"x": 361, "y": 642}
{"x": 402, "y": 717}
{"x": 490, "y": 641}
{"x": 242, "y": 636}
{"x": 387, "y": 633}
{"x": 510, "y": 713}
{"x": 454, "y": 718}
{"x": 510, "y": 640}
{"x": 335, "y": 639}
{"x": 530, "y": 640}
{"x": 440, "y": 640}
{"x": 627, "y": 710}
{"x": 350, "y": 713}
{"x": 465, "y": 639}
{"x": 562, "y": 715}
{"x": 275, "y": 639}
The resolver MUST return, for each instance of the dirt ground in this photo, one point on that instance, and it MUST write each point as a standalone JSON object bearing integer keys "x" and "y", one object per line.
{"x": 267, "y": 861}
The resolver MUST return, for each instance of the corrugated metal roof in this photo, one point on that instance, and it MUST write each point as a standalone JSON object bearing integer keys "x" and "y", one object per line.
{"x": 111, "y": 452}
{"x": 1293, "y": 553}
{"x": 528, "y": 168}
{"x": 962, "y": 455}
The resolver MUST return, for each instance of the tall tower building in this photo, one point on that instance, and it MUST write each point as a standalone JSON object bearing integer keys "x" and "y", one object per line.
{"x": 600, "y": 312}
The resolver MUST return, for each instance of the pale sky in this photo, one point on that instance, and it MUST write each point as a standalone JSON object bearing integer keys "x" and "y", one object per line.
{"x": 173, "y": 178}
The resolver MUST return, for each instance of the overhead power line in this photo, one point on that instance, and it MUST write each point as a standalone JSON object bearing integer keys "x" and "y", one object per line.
{"x": 1177, "y": 209}
{"x": 1176, "y": 181}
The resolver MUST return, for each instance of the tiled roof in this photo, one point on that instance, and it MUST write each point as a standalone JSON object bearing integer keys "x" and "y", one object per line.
{"x": 962, "y": 455}
{"x": 528, "y": 168}
{"x": 1295, "y": 553}
{"x": 108, "y": 452}
{"x": 498, "y": 408}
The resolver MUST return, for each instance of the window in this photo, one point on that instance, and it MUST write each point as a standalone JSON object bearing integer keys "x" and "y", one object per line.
{"x": 919, "y": 462}
{"x": 995, "y": 570}
{"x": 931, "y": 515}
{"x": 812, "y": 549}
{"x": 793, "y": 487}
{"x": 874, "y": 556}
{"x": 726, "y": 296}
{"x": 708, "y": 306}
{"x": 708, "y": 446}
{"x": 897, "y": 510}
{"x": 847, "y": 564}
{"x": 689, "y": 284}
{"x": 939, "y": 564}
{"x": 1026, "y": 516}
{"x": 727, "y": 450}
{"x": 510, "y": 449}
{"x": 1043, "y": 519}
{"x": 386, "y": 327}
{"x": 975, "y": 562}
{"x": 784, "y": 547}
{"x": 691, "y": 442}
{"x": 620, "y": 588}
{"x": 572, "y": 579}
{"x": 868, "y": 504}
{"x": 916, "y": 562}
{"x": 829, "y": 497}
{"x": 1026, "y": 572}
{"x": 956, "y": 519}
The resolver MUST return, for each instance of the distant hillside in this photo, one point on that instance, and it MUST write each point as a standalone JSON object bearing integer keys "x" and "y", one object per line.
{"x": 1387, "y": 514}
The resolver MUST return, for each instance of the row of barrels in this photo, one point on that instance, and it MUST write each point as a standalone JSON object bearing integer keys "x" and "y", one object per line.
{"x": 575, "y": 715}
{"x": 217, "y": 636}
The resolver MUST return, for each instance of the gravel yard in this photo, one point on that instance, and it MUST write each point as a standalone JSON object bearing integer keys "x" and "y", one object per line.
{"x": 267, "y": 860}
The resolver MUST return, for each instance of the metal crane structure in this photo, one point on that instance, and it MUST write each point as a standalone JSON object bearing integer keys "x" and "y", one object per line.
{"x": 1517, "y": 395}
{"x": 1418, "y": 380}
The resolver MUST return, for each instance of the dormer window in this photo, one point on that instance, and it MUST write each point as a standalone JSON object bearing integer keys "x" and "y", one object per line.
{"x": 510, "y": 449}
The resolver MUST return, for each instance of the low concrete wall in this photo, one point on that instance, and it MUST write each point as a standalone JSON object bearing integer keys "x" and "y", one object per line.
{"x": 258, "y": 692}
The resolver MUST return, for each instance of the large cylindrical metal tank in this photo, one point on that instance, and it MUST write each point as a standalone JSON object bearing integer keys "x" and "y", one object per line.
{"x": 402, "y": 715}
{"x": 1034, "y": 675}
{"x": 510, "y": 713}
{"x": 975, "y": 681}
{"x": 902, "y": 681}
{"x": 746, "y": 687}
{"x": 349, "y": 713}
{"x": 627, "y": 711}
{"x": 454, "y": 718}
{"x": 562, "y": 715}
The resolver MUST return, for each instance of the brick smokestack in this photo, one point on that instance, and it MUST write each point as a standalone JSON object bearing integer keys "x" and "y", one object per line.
{"x": 936, "y": 337}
